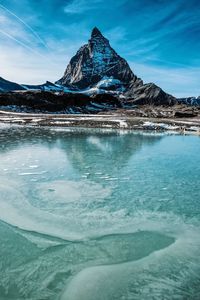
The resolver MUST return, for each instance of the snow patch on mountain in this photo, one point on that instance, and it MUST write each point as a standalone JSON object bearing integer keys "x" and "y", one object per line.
{"x": 106, "y": 82}
{"x": 108, "y": 85}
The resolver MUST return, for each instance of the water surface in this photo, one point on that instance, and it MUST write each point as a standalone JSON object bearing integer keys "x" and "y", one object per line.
{"x": 95, "y": 214}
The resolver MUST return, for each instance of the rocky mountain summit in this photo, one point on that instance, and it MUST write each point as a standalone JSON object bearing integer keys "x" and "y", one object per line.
{"x": 95, "y": 61}
{"x": 98, "y": 69}
{"x": 96, "y": 79}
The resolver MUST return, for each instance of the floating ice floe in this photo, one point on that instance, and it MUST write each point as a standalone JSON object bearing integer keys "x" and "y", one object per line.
{"x": 160, "y": 125}
{"x": 33, "y": 166}
{"x": 61, "y": 122}
{"x": 194, "y": 128}
{"x": 122, "y": 123}
{"x": 32, "y": 173}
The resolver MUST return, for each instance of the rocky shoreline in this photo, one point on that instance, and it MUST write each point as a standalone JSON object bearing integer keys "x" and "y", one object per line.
{"x": 119, "y": 119}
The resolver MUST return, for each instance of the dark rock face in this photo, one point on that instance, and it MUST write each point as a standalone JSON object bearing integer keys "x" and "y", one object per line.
{"x": 190, "y": 101}
{"x": 107, "y": 99}
{"x": 41, "y": 101}
{"x": 185, "y": 114}
{"x": 149, "y": 94}
{"x": 94, "y": 61}
{"x": 6, "y": 85}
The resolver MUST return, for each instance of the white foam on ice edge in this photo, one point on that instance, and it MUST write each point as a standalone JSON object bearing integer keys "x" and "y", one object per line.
{"x": 122, "y": 123}
{"x": 160, "y": 125}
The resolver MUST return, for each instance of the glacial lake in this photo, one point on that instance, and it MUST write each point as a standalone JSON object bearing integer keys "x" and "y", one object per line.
{"x": 98, "y": 215}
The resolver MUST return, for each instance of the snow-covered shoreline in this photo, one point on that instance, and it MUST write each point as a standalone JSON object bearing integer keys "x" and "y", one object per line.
{"x": 109, "y": 121}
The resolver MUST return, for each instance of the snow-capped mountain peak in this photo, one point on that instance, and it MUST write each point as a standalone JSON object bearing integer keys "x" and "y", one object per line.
{"x": 97, "y": 69}
{"x": 94, "y": 61}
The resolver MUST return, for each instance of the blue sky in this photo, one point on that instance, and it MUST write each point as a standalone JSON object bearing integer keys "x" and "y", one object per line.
{"x": 160, "y": 39}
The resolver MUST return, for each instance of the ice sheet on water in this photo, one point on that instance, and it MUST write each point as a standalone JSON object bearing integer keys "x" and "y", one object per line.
{"x": 109, "y": 281}
{"x": 45, "y": 215}
{"x": 80, "y": 220}
{"x": 97, "y": 214}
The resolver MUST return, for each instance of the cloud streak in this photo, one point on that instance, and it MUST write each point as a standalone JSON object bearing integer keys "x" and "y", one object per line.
{"x": 26, "y": 25}
{"x": 80, "y": 6}
{"x": 21, "y": 43}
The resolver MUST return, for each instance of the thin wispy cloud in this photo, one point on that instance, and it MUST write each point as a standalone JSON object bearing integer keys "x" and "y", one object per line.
{"x": 81, "y": 6}
{"x": 19, "y": 42}
{"x": 25, "y": 24}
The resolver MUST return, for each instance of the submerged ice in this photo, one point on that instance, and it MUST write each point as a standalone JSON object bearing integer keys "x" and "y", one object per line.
{"x": 98, "y": 215}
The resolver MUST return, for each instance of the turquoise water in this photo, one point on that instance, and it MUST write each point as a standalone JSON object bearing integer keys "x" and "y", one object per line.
{"x": 99, "y": 215}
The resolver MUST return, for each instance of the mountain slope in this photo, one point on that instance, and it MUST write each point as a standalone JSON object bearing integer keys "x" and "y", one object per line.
{"x": 94, "y": 61}
{"x": 6, "y": 85}
{"x": 47, "y": 86}
{"x": 150, "y": 94}
{"x": 190, "y": 101}
{"x": 98, "y": 69}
